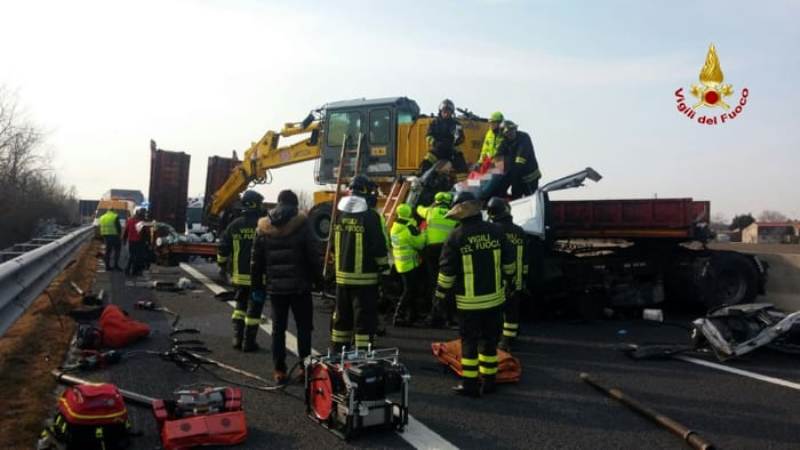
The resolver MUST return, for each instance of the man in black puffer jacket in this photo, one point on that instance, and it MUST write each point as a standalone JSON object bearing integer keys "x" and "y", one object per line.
{"x": 284, "y": 267}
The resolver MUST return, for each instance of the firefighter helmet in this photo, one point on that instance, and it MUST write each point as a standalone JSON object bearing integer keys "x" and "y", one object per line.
{"x": 498, "y": 208}
{"x": 360, "y": 185}
{"x": 447, "y": 104}
{"x": 252, "y": 200}
{"x": 464, "y": 196}
{"x": 445, "y": 198}
{"x": 404, "y": 211}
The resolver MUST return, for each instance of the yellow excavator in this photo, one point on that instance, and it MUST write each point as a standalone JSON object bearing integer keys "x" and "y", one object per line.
{"x": 382, "y": 138}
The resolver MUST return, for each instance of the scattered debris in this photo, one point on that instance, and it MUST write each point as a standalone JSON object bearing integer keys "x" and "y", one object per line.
{"x": 172, "y": 286}
{"x": 653, "y": 314}
{"x": 733, "y": 331}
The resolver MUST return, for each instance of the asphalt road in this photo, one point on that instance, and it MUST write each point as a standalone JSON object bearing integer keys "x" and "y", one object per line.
{"x": 549, "y": 408}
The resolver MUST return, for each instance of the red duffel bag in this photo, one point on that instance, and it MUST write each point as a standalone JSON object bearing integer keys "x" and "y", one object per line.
{"x": 120, "y": 330}
{"x": 509, "y": 369}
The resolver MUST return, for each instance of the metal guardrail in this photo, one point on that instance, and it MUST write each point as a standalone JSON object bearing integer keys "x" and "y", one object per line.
{"x": 25, "y": 277}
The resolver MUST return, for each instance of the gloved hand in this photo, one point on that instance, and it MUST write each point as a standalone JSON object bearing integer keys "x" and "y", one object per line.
{"x": 384, "y": 269}
{"x": 258, "y": 296}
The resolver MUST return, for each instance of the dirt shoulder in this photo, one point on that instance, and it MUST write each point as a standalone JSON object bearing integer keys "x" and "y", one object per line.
{"x": 34, "y": 346}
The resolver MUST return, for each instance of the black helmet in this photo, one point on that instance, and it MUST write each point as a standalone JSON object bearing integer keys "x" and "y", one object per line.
{"x": 498, "y": 208}
{"x": 252, "y": 200}
{"x": 361, "y": 185}
{"x": 447, "y": 104}
{"x": 464, "y": 196}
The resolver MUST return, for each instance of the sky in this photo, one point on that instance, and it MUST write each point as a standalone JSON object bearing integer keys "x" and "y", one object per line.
{"x": 592, "y": 82}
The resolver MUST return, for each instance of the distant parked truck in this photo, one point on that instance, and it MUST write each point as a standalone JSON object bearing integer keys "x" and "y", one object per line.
{"x": 133, "y": 195}
{"x": 123, "y": 208}
{"x": 87, "y": 210}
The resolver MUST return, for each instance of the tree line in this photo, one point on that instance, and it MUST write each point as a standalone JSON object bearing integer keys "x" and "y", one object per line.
{"x": 31, "y": 194}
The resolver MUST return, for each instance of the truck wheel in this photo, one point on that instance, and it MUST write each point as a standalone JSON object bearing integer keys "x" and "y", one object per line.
{"x": 320, "y": 220}
{"x": 732, "y": 280}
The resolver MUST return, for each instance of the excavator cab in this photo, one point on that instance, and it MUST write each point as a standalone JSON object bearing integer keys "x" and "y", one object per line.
{"x": 379, "y": 123}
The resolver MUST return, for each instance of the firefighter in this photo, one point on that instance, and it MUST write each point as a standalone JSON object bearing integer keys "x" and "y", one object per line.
{"x": 521, "y": 170}
{"x": 500, "y": 213}
{"x": 110, "y": 230}
{"x": 475, "y": 260}
{"x": 438, "y": 228}
{"x": 360, "y": 256}
{"x": 493, "y": 137}
{"x": 407, "y": 242}
{"x": 443, "y": 136}
{"x": 235, "y": 246}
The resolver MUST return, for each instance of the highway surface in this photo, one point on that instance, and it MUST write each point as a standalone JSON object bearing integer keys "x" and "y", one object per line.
{"x": 549, "y": 408}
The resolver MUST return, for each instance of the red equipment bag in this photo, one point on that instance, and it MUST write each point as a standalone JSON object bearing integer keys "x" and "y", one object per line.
{"x": 92, "y": 416}
{"x": 509, "y": 369}
{"x": 120, "y": 330}
{"x": 199, "y": 423}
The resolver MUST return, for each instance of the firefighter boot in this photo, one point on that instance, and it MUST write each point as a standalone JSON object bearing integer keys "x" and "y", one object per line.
{"x": 469, "y": 387}
{"x": 238, "y": 333}
{"x": 506, "y": 344}
{"x": 488, "y": 386}
{"x": 250, "y": 333}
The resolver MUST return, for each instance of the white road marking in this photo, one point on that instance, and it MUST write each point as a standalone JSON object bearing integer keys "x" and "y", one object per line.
{"x": 416, "y": 433}
{"x": 744, "y": 373}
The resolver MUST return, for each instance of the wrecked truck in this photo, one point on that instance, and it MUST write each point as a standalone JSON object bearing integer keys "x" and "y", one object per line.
{"x": 587, "y": 255}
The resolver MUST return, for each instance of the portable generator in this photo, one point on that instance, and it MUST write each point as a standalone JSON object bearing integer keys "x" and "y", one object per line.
{"x": 351, "y": 391}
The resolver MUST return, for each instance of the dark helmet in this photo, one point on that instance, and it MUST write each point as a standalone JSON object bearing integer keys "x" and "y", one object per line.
{"x": 464, "y": 196}
{"x": 498, "y": 208}
{"x": 361, "y": 185}
{"x": 447, "y": 104}
{"x": 509, "y": 127}
{"x": 252, "y": 200}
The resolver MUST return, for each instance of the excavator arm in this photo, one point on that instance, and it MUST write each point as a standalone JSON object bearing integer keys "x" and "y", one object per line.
{"x": 265, "y": 155}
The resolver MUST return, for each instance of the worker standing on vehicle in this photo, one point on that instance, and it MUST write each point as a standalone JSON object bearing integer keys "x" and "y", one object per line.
{"x": 443, "y": 136}
{"x": 236, "y": 245}
{"x": 520, "y": 168}
{"x": 475, "y": 259}
{"x": 438, "y": 228}
{"x": 110, "y": 230}
{"x": 360, "y": 255}
{"x": 493, "y": 138}
{"x": 285, "y": 267}
{"x": 407, "y": 243}
{"x": 500, "y": 213}
{"x": 133, "y": 238}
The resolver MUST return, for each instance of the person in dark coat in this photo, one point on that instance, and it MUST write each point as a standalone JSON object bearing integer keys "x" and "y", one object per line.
{"x": 284, "y": 267}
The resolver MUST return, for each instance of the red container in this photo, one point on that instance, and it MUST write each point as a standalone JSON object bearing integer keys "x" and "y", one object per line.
{"x": 219, "y": 169}
{"x": 169, "y": 186}
{"x": 646, "y": 218}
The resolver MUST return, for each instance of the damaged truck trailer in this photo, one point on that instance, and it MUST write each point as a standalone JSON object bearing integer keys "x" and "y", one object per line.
{"x": 592, "y": 254}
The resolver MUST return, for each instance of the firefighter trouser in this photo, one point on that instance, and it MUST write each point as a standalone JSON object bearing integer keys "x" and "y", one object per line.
{"x": 479, "y": 330}
{"x": 430, "y": 256}
{"x": 511, "y": 315}
{"x": 522, "y": 189}
{"x": 246, "y": 309}
{"x": 356, "y": 310}
{"x": 412, "y": 299}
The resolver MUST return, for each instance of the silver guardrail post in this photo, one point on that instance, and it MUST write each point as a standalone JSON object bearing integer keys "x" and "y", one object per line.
{"x": 25, "y": 277}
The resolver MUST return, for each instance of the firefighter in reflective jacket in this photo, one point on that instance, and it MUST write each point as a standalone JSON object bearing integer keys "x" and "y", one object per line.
{"x": 521, "y": 170}
{"x": 500, "y": 213}
{"x": 493, "y": 137}
{"x": 235, "y": 246}
{"x": 443, "y": 136}
{"x": 407, "y": 242}
{"x": 475, "y": 260}
{"x": 360, "y": 254}
{"x": 438, "y": 228}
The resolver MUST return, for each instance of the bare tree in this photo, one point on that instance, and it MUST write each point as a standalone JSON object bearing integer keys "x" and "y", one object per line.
{"x": 772, "y": 216}
{"x": 29, "y": 190}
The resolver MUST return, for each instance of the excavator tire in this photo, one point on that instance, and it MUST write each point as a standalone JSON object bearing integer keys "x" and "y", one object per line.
{"x": 319, "y": 219}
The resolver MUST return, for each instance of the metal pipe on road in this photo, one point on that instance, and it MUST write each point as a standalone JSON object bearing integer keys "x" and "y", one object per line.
{"x": 690, "y": 437}
{"x": 135, "y": 397}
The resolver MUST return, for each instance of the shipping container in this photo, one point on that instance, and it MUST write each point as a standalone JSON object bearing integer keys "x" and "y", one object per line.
{"x": 219, "y": 169}
{"x": 169, "y": 186}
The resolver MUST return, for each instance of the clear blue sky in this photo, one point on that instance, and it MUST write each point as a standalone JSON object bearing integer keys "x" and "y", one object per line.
{"x": 592, "y": 82}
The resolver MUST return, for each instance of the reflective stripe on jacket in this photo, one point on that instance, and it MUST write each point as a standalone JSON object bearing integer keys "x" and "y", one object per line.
{"x": 359, "y": 243}
{"x": 237, "y": 243}
{"x": 407, "y": 242}
{"x": 491, "y": 142}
